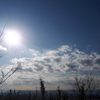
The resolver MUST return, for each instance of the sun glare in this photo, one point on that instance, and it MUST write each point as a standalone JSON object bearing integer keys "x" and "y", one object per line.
{"x": 12, "y": 37}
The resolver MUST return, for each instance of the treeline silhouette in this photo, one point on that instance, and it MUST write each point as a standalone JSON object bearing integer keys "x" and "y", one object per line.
{"x": 59, "y": 94}
{"x": 35, "y": 95}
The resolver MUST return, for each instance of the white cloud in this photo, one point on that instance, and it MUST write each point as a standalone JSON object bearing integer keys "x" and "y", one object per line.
{"x": 62, "y": 61}
{"x": 34, "y": 52}
{"x": 3, "y": 48}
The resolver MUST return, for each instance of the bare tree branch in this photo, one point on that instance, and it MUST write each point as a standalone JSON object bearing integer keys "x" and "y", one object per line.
{"x": 85, "y": 84}
{"x": 4, "y": 77}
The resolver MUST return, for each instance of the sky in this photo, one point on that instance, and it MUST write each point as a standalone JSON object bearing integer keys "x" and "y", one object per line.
{"x": 58, "y": 39}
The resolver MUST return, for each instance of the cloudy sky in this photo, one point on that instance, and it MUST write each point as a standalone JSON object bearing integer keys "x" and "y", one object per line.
{"x": 58, "y": 39}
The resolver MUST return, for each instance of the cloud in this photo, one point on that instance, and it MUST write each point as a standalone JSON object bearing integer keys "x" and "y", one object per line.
{"x": 87, "y": 62}
{"x": 54, "y": 65}
{"x": 97, "y": 61}
{"x": 71, "y": 66}
{"x": 47, "y": 59}
{"x": 38, "y": 67}
{"x": 34, "y": 52}
{"x": 3, "y": 48}
{"x": 58, "y": 59}
{"x": 62, "y": 60}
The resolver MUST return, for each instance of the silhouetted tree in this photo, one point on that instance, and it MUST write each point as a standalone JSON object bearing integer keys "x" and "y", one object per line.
{"x": 42, "y": 89}
{"x": 35, "y": 94}
{"x": 1, "y": 37}
{"x": 4, "y": 77}
{"x": 85, "y": 84}
{"x": 59, "y": 93}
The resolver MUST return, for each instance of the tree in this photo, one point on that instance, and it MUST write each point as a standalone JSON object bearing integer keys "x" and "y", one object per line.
{"x": 85, "y": 84}
{"x": 4, "y": 77}
{"x": 1, "y": 37}
{"x": 42, "y": 89}
{"x": 59, "y": 93}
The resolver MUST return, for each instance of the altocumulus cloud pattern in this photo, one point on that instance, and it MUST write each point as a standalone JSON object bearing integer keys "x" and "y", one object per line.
{"x": 63, "y": 59}
{"x": 54, "y": 66}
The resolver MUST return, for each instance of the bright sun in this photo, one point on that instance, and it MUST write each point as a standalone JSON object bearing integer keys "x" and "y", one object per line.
{"x": 12, "y": 37}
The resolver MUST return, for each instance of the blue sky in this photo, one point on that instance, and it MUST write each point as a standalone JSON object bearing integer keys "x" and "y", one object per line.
{"x": 58, "y": 37}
